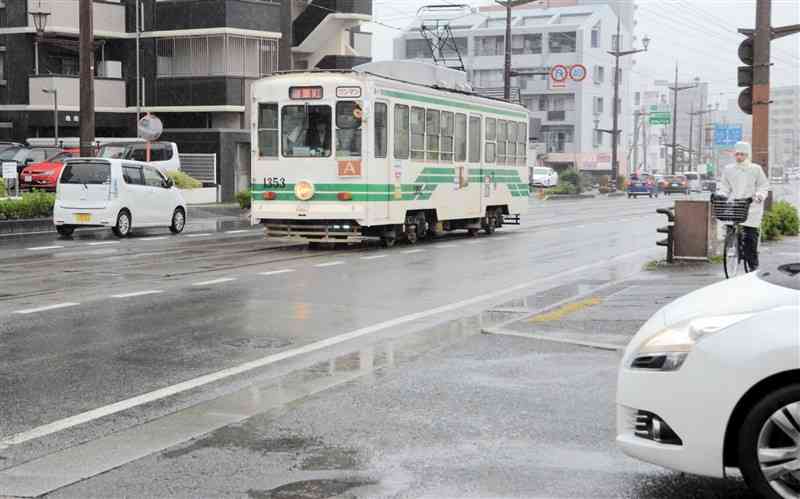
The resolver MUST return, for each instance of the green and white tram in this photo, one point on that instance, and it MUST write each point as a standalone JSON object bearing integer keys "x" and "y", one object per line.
{"x": 395, "y": 150}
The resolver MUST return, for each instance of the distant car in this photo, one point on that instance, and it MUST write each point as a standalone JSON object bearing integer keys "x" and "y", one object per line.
{"x": 712, "y": 381}
{"x": 642, "y": 185}
{"x": 710, "y": 185}
{"x": 544, "y": 177}
{"x": 675, "y": 183}
{"x": 116, "y": 193}
{"x": 694, "y": 182}
{"x": 163, "y": 155}
{"x": 24, "y": 155}
{"x": 44, "y": 175}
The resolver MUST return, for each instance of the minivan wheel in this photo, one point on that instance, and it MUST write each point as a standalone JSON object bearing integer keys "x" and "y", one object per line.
{"x": 123, "y": 227}
{"x": 769, "y": 443}
{"x": 65, "y": 230}
{"x": 178, "y": 221}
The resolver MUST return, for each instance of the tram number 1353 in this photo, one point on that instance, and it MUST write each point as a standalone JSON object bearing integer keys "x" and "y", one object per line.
{"x": 275, "y": 181}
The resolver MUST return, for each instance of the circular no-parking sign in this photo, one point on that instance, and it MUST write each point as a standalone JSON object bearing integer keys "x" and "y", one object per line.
{"x": 577, "y": 72}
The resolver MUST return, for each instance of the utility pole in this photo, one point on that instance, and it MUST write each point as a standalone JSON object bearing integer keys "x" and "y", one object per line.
{"x": 691, "y": 134}
{"x": 645, "y": 139}
{"x": 86, "y": 58}
{"x": 615, "y": 131}
{"x": 635, "y": 140}
{"x": 700, "y": 126}
{"x": 509, "y": 4}
{"x": 675, "y": 91}
{"x": 138, "y": 63}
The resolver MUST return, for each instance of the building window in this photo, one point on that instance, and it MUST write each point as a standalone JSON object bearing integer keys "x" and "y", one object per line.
{"x": 69, "y": 65}
{"x": 598, "y": 138}
{"x": 522, "y": 143}
{"x": 599, "y": 74}
{"x": 502, "y": 138}
{"x": 432, "y": 131}
{"x": 489, "y": 45}
{"x": 491, "y": 136}
{"x": 417, "y": 133}
{"x": 418, "y": 49}
{"x": 637, "y": 99}
{"x": 2, "y": 66}
{"x": 561, "y": 43}
{"x": 526, "y": 44}
{"x": 596, "y": 36}
{"x": 474, "y": 139}
{"x": 488, "y": 78}
{"x": 598, "y": 105}
{"x": 461, "y": 137}
{"x": 447, "y": 135}
{"x": 216, "y": 55}
{"x": 557, "y": 138}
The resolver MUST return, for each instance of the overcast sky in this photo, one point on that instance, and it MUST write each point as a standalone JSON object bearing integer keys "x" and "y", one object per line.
{"x": 700, "y": 35}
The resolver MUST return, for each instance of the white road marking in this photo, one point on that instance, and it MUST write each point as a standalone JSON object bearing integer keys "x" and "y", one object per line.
{"x": 41, "y": 248}
{"x": 214, "y": 281}
{"x": 100, "y": 412}
{"x": 154, "y": 238}
{"x": 446, "y": 246}
{"x": 199, "y": 235}
{"x": 475, "y": 241}
{"x": 373, "y": 257}
{"x": 236, "y": 231}
{"x": 329, "y": 264}
{"x": 48, "y": 307}
{"x": 409, "y": 252}
{"x": 275, "y": 272}
{"x": 138, "y": 293}
{"x": 101, "y": 243}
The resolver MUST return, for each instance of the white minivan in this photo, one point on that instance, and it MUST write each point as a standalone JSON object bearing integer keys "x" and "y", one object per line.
{"x": 116, "y": 193}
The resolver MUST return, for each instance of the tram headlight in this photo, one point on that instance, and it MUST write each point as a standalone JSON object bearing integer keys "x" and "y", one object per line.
{"x": 304, "y": 190}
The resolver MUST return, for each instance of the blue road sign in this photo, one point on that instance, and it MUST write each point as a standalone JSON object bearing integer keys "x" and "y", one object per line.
{"x": 727, "y": 135}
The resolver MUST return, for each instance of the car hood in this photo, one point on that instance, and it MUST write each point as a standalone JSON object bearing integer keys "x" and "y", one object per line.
{"x": 741, "y": 295}
{"x": 44, "y": 166}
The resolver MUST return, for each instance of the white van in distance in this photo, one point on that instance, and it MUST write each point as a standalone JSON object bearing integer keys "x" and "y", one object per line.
{"x": 115, "y": 193}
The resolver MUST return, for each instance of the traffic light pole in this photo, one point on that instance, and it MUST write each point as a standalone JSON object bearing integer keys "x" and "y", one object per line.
{"x": 86, "y": 60}
{"x": 761, "y": 73}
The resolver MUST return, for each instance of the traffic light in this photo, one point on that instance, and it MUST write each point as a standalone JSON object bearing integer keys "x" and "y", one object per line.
{"x": 744, "y": 77}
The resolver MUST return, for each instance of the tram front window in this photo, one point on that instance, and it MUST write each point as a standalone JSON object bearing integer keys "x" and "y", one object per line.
{"x": 348, "y": 129}
{"x": 306, "y": 131}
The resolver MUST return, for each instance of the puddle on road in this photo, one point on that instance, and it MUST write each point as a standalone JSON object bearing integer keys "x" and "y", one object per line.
{"x": 311, "y": 489}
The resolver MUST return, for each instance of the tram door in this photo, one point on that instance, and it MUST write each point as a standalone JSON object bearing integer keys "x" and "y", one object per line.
{"x": 378, "y": 164}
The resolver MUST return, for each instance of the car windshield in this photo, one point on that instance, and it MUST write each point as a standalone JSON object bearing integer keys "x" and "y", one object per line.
{"x": 541, "y": 171}
{"x": 14, "y": 154}
{"x": 86, "y": 172}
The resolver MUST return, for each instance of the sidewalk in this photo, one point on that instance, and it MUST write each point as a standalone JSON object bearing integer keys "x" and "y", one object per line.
{"x": 608, "y": 318}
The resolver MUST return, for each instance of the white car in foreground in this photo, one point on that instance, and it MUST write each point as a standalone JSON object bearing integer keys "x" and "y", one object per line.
{"x": 712, "y": 381}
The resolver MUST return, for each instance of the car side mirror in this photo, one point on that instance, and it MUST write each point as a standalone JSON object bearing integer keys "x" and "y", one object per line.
{"x": 168, "y": 183}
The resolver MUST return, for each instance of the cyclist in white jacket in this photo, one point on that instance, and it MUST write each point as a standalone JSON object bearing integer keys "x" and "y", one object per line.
{"x": 745, "y": 179}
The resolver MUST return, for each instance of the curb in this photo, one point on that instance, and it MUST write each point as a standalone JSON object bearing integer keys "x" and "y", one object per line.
{"x": 24, "y": 226}
{"x": 616, "y": 194}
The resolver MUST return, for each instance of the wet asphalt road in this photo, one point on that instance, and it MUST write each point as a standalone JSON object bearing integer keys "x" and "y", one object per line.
{"x": 146, "y": 313}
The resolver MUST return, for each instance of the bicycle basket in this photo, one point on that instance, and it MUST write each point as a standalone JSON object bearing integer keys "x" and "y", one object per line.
{"x": 735, "y": 210}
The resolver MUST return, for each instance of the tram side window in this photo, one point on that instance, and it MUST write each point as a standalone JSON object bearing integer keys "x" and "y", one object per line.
{"x": 474, "y": 139}
{"x": 512, "y": 142}
{"x": 522, "y": 144}
{"x": 502, "y": 137}
{"x": 432, "y": 134}
{"x": 348, "y": 129}
{"x": 401, "y": 131}
{"x": 381, "y": 131}
{"x": 491, "y": 137}
{"x": 447, "y": 136}
{"x": 268, "y": 130}
{"x": 417, "y": 133}
{"x": 461, "y": 137}
{"x": 306, "y": 131}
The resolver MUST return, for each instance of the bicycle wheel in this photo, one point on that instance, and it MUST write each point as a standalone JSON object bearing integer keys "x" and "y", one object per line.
{"x": 731, "y": 257}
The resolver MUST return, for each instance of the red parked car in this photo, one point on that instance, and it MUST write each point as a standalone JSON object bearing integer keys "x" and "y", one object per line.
{"x": 44, "y": 175}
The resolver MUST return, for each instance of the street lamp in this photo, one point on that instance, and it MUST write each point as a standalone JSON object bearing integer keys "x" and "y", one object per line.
{"x": 40, "y": 23}
{"x": 54, "y": 91}
{"x": 615, "y": 131}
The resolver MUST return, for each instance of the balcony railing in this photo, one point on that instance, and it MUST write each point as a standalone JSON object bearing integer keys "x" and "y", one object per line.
{"x": 556, "y": 115}
{"x": 109, "y": 16}
{"x": 108, "y": 93}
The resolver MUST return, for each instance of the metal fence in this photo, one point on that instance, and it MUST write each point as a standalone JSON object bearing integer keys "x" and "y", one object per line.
{"x": 203, "y": 167}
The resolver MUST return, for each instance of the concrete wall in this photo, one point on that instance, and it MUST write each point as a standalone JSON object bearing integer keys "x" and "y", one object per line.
{"x": 107, "y": 92}
{"x": 107, "y": 16}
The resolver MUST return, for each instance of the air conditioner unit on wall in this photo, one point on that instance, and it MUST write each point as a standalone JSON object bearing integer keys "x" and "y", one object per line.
{"x": 109, "y": 69}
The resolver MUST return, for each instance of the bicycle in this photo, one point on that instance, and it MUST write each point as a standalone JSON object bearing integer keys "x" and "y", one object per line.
{"x": 736, "y": 211}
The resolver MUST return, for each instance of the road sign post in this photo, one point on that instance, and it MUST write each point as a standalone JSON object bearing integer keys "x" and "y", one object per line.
{"x": 150, "y": 128}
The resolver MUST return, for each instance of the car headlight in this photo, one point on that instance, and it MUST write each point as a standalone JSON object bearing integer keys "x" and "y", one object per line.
{"x": 667, "y": 350}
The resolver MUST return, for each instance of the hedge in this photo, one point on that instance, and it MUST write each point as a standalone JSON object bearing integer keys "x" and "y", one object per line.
{"x": 183, "y": 180}
{"x": 31, "y": 205}
{"x": 781, "y": 220}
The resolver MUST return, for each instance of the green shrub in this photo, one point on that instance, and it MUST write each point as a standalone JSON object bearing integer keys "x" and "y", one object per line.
{"x": 570, "y": 177}
{"x": 770, "y": 227}
{"x": 562, "y": 188}
{"x": 2, "y": 188}
{"x": 243, "y": 197}
{"x": 184, "y": 181}
{"x": 786, "y": 218}
{"x": 31, "y": 205}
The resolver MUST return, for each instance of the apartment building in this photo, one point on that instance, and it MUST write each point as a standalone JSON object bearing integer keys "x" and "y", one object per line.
{"x": 784, "y": 126}
{"x": 197, "y": 60}
{"x": 565, "y": 116}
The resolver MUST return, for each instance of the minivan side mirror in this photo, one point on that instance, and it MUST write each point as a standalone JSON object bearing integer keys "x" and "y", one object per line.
{"x": 168, "y": 183}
